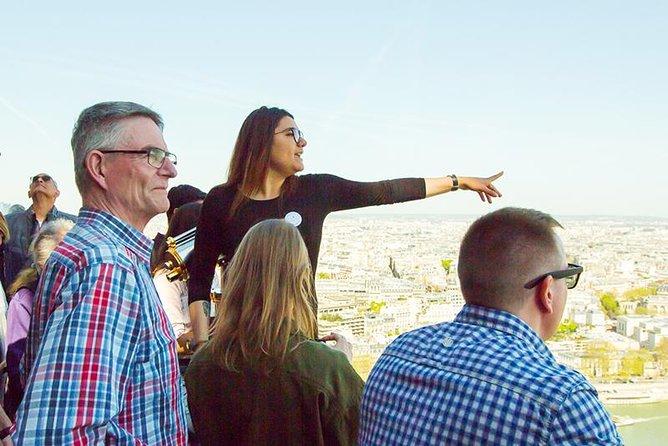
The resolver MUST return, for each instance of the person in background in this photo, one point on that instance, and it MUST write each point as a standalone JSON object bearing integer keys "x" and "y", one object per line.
{"x": 6, "y": 429}
{"x": 174, "y": 294}
{"x": 487, "y": 378}
{"x": 21, "y": 293}
{"x": 263, "y": 378}
{"x": 43, "y": 191}
{"x": 178, "y": 196}
{"x": 15, "y": 208}
{"x": 262, "y": 184}
{"x": 4, "y": 238}
{"x": 101, "y": 355}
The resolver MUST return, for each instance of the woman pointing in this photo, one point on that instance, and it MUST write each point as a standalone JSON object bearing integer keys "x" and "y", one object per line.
{"x": 262, "y": 184}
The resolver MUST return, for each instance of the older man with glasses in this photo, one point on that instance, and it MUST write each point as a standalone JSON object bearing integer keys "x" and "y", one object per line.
{"x": 23, "y": 225}
{"x": 488, "y": 377}
{"x": 101, "y": 355}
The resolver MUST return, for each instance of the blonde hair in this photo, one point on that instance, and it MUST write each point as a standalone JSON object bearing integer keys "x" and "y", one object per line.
{"x": 268, "y": 298}
{"x": 4, "y": 229}
{"x": 41, "y": 247}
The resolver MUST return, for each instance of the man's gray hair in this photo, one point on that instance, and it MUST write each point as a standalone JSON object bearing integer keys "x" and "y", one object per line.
{"x": 99, "y": 126}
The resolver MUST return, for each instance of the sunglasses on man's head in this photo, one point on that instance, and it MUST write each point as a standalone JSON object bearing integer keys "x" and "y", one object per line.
{"x": 36, "y": 178}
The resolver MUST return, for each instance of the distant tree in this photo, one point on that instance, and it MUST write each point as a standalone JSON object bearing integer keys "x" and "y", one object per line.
{"x": 609, "y": 304}
{"x": 661, "y": 353}
{"x": 393, "y": 268}
{"x": 375, "y": 307}
{"x": 447, "y": 265}
{"x": 566, "y": 330}
{"x": 331, "y": 317}
{"x": 644, "y": 311}
{"x": 633, "y": 362}
{"x": 567, "y": 326}
{"x": 639, "y": 293}
{"x": 597, "y": 358}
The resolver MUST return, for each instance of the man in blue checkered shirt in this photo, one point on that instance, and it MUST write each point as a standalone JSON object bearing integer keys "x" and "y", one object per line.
{"x": 487, "y": 377}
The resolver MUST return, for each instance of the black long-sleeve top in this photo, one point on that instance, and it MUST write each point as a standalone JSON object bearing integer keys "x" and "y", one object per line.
{"x": 312, "y": 198}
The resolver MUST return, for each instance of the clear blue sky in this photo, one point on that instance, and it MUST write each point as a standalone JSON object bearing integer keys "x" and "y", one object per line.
{"x": 570, "y": 98}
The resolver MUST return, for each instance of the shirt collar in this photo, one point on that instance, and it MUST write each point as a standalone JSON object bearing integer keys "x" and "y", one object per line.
{"x": 118, "y": 230}
{"x": 52, "y": 212}
{"x": 502, "y": 321}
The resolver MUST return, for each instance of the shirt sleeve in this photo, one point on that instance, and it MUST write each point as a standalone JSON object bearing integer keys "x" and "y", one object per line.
{"x": 52, "y": 275}
{"x": 583, "y": 420}
{"x": 341, "y": 417}
{"x": 340, "y": 194}
{"x": 18, "y": 322}
{"x": 208, "y": 245}
{"x": 18, "y": 316}
{"x": 83, "y": 367}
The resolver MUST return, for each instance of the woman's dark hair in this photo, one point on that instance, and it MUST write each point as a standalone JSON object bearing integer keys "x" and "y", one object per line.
{"x": 250, "y": 160}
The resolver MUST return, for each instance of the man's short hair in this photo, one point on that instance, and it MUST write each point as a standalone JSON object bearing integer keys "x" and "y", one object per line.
{"x": 16, "y": 208}
{"x": 99, "y": 127}
{"x": 503, "y": 250}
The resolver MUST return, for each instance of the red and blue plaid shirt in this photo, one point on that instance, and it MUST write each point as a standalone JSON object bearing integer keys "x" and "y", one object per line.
{"x": 101, "y": 354}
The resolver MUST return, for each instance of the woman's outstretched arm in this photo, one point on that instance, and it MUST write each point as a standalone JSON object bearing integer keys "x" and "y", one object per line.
{"x": 483, "y": 186}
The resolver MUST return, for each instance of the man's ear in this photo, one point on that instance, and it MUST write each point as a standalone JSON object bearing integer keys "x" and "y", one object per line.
{"x": 96, "y": 168}
{"x": 545, "y": 296}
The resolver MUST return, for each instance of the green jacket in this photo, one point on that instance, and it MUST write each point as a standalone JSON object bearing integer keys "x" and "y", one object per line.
{"x": 313, "y": 398}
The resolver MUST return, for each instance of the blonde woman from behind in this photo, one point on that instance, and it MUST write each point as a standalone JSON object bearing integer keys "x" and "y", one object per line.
{"x": 263, "y": 378}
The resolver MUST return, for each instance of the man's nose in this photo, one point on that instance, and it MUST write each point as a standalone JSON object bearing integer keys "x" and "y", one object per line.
{"x": 169, "y": 169}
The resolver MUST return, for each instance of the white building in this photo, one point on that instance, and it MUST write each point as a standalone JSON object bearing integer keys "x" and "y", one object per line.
{"x": 626, "y": 325}
{"x": 595, "y": 317}
{"x": 657, "y": 334}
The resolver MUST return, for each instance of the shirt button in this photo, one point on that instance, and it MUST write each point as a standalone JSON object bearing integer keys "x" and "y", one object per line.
{"x": 447, "y": 342}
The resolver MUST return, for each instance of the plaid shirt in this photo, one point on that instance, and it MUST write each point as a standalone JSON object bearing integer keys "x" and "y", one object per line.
{"x": 485, "y": 378}
{"x": 101, "y": 353}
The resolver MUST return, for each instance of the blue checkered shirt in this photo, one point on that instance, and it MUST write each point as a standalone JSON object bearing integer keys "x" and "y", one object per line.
{"x": 101, "y": 352}
{"x": 485, "y": 378}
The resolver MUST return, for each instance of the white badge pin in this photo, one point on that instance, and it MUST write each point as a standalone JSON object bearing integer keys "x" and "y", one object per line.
{"x": 293, "y": 218}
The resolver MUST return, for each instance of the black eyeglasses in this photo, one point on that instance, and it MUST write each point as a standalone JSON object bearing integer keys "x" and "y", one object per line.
{"x": 297, "y": 134}
{"x": 571, "y": 274}
{"x": 36, "y": 178}
{"x": 156, "y": 156}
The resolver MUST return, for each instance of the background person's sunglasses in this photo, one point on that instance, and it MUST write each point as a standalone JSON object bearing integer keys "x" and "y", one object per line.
{"x": 44, "y": 178}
